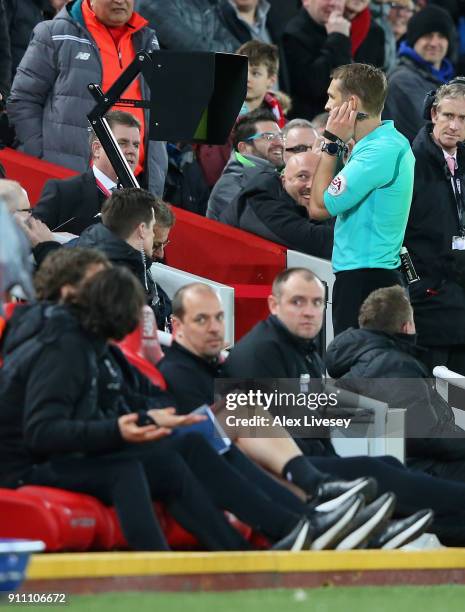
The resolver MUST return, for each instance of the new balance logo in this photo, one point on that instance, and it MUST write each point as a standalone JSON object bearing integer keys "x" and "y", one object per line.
{"x": 82, "y": 56}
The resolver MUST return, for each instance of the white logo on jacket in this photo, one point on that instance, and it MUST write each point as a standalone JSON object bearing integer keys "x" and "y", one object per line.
{"x": 82, "y": 56}
{"x": 338, "y": 185}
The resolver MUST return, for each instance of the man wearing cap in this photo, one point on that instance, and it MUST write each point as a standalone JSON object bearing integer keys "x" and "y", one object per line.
{"x": 422, "y": 66}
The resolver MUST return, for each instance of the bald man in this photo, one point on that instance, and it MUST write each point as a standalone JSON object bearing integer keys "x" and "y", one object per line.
{"x": 15, "y": 197}
{"x": 275, "y": 207}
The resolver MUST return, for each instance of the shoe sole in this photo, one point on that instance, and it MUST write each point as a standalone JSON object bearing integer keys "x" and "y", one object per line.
{"x": 301, "y": 538}
{"x": 367, "y": 488}
{"x": 326, "y": 539}
{"x": 356, "y": 537}
{"x": 409, "y": 534}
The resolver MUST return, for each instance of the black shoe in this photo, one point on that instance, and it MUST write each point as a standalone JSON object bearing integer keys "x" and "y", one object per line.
{"x": 331, "y": 494}
{"x": 367, "y": 522}
{"x": 328, "y": 526}
{"x": 299, "y": 538}
{"x": 403, "y": 531}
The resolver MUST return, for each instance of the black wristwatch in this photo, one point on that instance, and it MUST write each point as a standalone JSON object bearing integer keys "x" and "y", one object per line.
{"x": 332, "y": 148}
{"x": 333, "y": 138}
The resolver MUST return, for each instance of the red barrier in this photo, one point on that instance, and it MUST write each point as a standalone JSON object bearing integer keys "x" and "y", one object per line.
{"x": 31, "y": 172}
{"x": 199, "y": 245}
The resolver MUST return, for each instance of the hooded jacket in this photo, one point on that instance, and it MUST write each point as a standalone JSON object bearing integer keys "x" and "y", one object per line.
{"x": 120, "y": 253}
{"x": 409, "y": 82}
{"x": 265, "y": 208}
{"x": 239, "y": 170}
{"x": 386, "y": 367}
{"x": 438, "y": 301}
{"x": 49, "y": 99}
{"x": 49, "y": 405}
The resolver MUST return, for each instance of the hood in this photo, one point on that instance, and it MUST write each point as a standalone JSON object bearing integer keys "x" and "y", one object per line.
{"x": 118, "y": 251}
{"x": 348, "y": 348}
{"x": 42, "y": 319}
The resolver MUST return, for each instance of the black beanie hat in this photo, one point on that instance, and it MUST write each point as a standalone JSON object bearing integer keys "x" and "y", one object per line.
{"x": 430, "y": 19}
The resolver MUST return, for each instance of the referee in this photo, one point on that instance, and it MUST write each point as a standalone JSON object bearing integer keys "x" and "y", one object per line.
{"x": 370, "y": 196}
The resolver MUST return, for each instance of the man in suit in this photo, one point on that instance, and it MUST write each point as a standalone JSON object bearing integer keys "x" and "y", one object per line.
{"x": 73, "y": 204}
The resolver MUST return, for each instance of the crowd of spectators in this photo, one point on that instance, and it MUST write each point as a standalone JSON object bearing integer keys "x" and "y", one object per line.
{"x": 335, "y": 153}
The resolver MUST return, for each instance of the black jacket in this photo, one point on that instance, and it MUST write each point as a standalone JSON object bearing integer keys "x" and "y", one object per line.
{"x": 120, "y": 253}
{"x": 264, "y": 208}
{"x": 438, "y": 301}
{"x": 48, "y": 403}
{"x": 386, "y": 367}
{"x": 275, "y": 27}
{"x": 271, "y": 351}
{"x": 190, "y": 379}
{"x": 61, "y": 200}
{"x": 311, "y": 56}
{"x": 5, "y": 54}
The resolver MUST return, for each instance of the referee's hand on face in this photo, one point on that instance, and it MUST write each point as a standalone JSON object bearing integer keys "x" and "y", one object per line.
{"x": 341, "y": 121}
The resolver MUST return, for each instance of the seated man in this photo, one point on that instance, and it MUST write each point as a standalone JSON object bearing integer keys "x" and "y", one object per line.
{"x": 126, "y": 236}
{"x": 276, "y": 208}
{"x": 71, "y": 205}
{"x": 368, "y": 360}
{"x": 190, "y": 368}
{"x": 282, "y": 347}
{"x": 172, "y": 465}
{"x": 258, "y": 145}
{"x": 299, "y": 136}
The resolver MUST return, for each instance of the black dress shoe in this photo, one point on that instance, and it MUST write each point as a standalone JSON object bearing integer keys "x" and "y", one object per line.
{"x": 401, "y": 532}
{"x": 300, "y": 538}
{"x": 369, "y": 521}
{"x": 328, "y": 526}
{"x": 330, "y": 494}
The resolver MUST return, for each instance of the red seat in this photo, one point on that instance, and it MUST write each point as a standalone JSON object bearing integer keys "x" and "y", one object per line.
{"x": 25, "y": 517}
{"x": 76, "y": 516}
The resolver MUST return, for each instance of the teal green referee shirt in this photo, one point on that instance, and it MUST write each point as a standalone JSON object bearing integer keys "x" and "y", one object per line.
{"x": 371, "y": 198}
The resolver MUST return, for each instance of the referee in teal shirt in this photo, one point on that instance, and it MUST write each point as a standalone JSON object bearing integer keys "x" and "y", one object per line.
{"x": 370, "y": 196}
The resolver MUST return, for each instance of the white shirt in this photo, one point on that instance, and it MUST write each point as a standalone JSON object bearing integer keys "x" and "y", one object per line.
{"x": 107, "y": 182}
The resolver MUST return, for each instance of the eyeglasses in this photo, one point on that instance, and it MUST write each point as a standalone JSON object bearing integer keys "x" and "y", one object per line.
{"x": 401, "y": 7}
{"x": 157, "y": 246}
{"x": 299, "y": 148}
{"x": 269, "y": 136}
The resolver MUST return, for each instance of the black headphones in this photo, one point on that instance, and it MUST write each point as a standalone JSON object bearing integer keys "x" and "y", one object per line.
{"x": 429, "y": 97}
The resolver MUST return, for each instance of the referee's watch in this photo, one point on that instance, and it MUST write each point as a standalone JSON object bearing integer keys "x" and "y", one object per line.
{"x": 332, "y": 148}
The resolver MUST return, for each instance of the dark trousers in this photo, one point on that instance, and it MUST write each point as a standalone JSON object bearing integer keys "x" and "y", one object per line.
{"x": 352, "y": 287}
{"x": 414, "y": 490}
{"x": 193, "y": 481}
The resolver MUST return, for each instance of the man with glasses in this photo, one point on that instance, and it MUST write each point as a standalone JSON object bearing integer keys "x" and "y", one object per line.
{"x": 276, "y": 208}
{"x": 299, "y": 136}
{"x": 164, "y": 222}
{"x": 257, "y": 146}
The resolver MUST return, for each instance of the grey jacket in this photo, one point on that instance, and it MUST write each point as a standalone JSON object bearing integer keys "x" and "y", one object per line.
{"x": 239, "y": 170}
{"x": 49, "y": 101}
{"x": 408, "y": 84}
{"x": 188, "y": 25}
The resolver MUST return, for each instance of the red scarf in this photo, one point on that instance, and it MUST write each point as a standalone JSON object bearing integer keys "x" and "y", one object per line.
{"x": 359, "y": 28}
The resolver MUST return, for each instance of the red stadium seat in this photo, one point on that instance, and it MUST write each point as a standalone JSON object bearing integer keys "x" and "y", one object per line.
{"x": 76, "y": 515}
{"x": 27, "y": 518}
